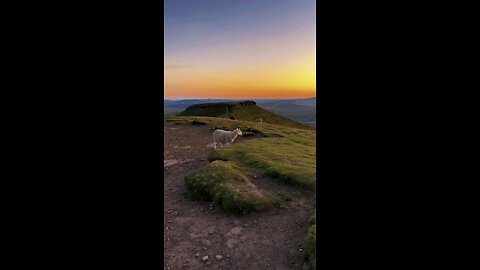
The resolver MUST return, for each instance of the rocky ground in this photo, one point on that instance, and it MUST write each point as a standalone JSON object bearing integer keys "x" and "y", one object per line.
{"x": 197, "y": 236}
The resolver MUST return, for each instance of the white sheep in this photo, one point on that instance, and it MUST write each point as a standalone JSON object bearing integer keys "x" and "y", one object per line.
{"x": 222, "y": 136}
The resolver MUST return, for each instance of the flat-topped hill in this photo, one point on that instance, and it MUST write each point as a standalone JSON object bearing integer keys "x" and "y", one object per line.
{"x": 244, "y": 110}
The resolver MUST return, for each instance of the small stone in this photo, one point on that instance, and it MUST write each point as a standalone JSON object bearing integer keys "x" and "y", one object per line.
{"x": 204, "y": 248}
{"x": 245, "y": 225}
{"x": 205, "y": 258}
{"x": 219, "y": 257}
{"x": 231, "y": 243}
{"x": 197, "y": 255}
{"x": 300, "y": 250}
{"x": 255, "y": 176}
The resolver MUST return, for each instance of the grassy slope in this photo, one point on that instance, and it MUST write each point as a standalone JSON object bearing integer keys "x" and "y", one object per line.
{"x": 286, "y": 154}
{"x": 246, "y": 113}
{"x": 223, "y": 183}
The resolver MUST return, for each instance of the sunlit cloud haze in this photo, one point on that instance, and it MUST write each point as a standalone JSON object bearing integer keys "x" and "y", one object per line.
{"x": 227, "y": 48}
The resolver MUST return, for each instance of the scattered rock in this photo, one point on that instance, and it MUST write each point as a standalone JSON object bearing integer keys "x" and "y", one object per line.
{"x": 236, "y": 230}
{"x": 219, "y": 257}
{"x": 231, "y": 243}
{"x": 205, "y": 258}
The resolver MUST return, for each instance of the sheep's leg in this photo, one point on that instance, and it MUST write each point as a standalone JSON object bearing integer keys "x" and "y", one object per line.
{"x": 214, "y": 144}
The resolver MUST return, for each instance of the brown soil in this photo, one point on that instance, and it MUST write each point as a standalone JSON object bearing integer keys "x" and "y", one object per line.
{"x": 271, "y": 239}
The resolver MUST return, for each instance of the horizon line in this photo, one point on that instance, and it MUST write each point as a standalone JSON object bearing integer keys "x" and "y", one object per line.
{"x": 179, "y": 98}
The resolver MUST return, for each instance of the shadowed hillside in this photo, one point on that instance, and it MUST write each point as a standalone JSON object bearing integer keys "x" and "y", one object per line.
{"x": 244, "y": 110}
{"x": 302, "y": 110}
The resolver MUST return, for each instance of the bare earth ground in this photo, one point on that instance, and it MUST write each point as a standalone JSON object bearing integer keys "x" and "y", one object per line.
{"x": 271, "y": 239}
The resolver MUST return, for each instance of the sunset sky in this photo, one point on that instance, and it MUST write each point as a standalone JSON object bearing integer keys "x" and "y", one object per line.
{"x": 239, "y": 49}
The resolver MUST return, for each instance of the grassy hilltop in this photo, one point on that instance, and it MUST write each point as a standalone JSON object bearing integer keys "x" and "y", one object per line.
{"x": 244, "y": 110}
{"x": 285, "y": 154}
{"x": 282, "y": 151}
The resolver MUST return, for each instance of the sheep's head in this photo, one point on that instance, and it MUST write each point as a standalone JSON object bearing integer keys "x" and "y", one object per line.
{"x": 238, "y": 131}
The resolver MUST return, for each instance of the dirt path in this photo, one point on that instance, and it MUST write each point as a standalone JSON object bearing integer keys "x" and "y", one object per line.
{"x": 192, "y": 230}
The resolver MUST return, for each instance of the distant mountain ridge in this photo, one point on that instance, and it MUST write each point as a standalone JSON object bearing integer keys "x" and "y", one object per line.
{"x": 242, "y": 110}
{"x": 302, "y": 110}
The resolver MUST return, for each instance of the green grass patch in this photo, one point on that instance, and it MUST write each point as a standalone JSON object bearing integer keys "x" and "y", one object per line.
{"x": 229, "y": 189}
{"x": 285, "y": 154}
{"x": 291, "y": 159}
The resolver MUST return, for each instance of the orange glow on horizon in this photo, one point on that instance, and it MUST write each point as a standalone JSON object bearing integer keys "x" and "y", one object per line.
{"x": 295, "y": 78}
{"x": 280, "y": 62}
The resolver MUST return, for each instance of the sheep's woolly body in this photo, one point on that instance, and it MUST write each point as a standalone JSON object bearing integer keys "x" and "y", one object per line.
{"x": 227, "y": 137}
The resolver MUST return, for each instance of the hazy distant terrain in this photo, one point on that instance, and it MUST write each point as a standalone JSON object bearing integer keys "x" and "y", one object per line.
{"x": 301, "y": 109}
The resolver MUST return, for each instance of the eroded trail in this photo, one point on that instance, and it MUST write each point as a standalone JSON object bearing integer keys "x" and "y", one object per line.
{"x": 271, "y": 239}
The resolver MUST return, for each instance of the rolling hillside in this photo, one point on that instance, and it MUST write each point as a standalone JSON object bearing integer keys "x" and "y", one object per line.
{"x": 244, "y": 110}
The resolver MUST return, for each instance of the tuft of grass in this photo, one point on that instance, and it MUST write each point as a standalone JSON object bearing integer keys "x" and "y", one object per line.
{"x": 228, "y": 188}
{"x": 311, "y": 242}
